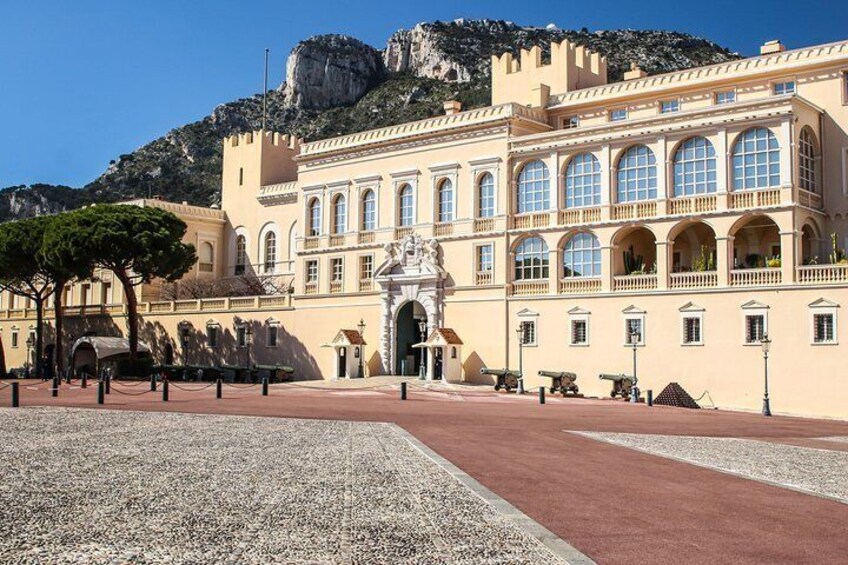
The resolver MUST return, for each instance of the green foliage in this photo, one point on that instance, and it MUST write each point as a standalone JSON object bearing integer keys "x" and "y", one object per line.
{"x": 633, "y": 264}
{"x": 773, "y": 262}
{"x": 705, "y": 262}
{"x": 837, "y": 255}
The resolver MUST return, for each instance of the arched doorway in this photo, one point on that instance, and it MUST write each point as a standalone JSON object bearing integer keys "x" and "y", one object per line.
{"x": 408, "y": 359}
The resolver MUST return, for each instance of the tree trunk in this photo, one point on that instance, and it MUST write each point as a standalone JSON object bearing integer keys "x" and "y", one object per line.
{"x": 39, "y": 338}
{"x": 132, "y": 312}
{"x": 58, "y": 315}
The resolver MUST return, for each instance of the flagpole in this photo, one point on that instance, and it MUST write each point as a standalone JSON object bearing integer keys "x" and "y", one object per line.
{"x": 265, "y": 92}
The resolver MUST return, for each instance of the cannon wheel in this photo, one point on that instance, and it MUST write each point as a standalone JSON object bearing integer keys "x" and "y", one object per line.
{"x": 507, "y": 388}
{"x": 613, "y": 393}
{"x": 553, "y": 389}
{"x": 497, "y": 388}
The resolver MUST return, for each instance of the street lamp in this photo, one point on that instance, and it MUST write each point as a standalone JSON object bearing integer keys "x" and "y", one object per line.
{"x": 634, "y": 343}
{"x": 519, "y": 331}
{"x": 422, "y": 370}
{"x": 184, "y": 343}
{"x": 28, "y": 348}
{"x": 765, "y": 343}
{"x": 361, "y": 326}
{"x": 248, "y": 341}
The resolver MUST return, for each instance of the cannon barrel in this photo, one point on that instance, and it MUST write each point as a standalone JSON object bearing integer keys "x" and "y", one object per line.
{"x": 617, "y": 378}
{"x": 499, "y": 372}
{"x": 561, "y": 375}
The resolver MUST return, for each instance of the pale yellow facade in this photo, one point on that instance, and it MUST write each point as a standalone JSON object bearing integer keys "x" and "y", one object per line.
{"x": 728, "y": 181}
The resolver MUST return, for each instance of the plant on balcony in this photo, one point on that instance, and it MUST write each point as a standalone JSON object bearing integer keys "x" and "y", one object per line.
{"x": 705, "y": 262}
{"x": 773, "y": 262}
{"x": 837, "y": 255}
{"x": 754, "y": 261}
{"x": 633, "y": 264}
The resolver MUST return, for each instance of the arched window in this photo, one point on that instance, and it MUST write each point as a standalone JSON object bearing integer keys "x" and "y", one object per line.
{"x": 339, "y": 214}
{"x": 807, "y": 157}
{"x": 405, "y": 206}
{"x": 241, "y": 255}
{"x": 533, "y": 188}
{"x": 582, "y": 256}
{"x": 314, "y": 217}
{"x": 756, "y": 160}
{"x": 583, "y": 181}
{"x": 694, "y": 167}
{"x": 206, "y": 258}
{"x": 637, "y": 175}
{"x": 446, "y": 201}
{"x": 486, "y": 196}
{"x": 369, "y": 211}
{"x": 531, "y": 260}
{"x": 270, "y": 252}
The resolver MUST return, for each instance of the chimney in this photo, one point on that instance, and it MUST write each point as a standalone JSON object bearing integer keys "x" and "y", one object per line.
{"x": 771, "y": 47}
{"x": 634, "y": 72}
{"x": 452, "y": 107}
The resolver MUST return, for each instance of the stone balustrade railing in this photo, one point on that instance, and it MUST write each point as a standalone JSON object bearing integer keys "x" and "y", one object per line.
{"x": 629, "y": 283}
{"x": 755, "y": 277}
{"x": 579, "y": 285}
{"x": 701, "y": 279}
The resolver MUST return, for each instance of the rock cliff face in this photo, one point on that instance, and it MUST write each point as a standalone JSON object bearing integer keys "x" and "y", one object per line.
{"x": 331, "y": 70}
{"x": 337, "y": 85}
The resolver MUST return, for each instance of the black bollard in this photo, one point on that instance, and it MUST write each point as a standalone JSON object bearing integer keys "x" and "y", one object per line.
{"x": 16, "y": 399}
{"x": 650, "y": 397}
{"x": 219, "y": 389}
{"x": 541, "y": 395}
{"x": 84, "y": 380}
{"x": 108, "y": 384}
{"x": 101, "y": 392}
{"x": 55, "y": 386}
{"x": 165, "y": 390}
{"x": 153, "y": 382}
{"x": 403, "y": 391}
{"x": 68, "y": 378}
{"x": 264, "y": 386}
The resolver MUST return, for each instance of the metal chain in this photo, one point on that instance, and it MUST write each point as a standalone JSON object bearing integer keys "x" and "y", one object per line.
{"x": 131, "y": 393}
{"x": 190, "y": 389}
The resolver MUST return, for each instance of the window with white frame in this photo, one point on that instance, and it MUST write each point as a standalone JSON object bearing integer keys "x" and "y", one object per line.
{"x": 785, "y": 87}
{"x": 634, "y": 326}
{"x": 212, "y": 335}
{"x": 486, "y": 196}
{"x": 337, "y": 270}
{"x": 756, "y": 160}
{"x": 570, "y": 122}
{"x": 579, "y": 327}
{"x": 695, "y": 167}
{"x": 241, "y": 336}
{"x": 692, "y": 329}
{"x": 406, "y": 211}
{"x": 369, "y": 211}
{"x": 366, "y": 267}
{"x": 271, "y": 336}
{"x": 582, "y": 256}
{"x": 312, "y": 271}
{"x": 583, "y": 181}
{"x": 270, "y": 252}
{"x": 531, "y": 259}
{"x": 241, "y": 255}
{"x": 755, "y": 327}
{"x": 485, "y": 258}
{"x": 533, "y": 188}
{"x": 445, "y": 201}
{"x": 618, "y": 115}
{"x": 637, "y": 175}
{"x": 314, "y": 217}
{"x": 669, "y": 106}
{"x": 807, "y": 158}
{"x": 339, "y": 214}
{"x": 528, "y": 332}
{"x": 14, "y": 338}
{"x": 823, "y": 322}
{"x": 725, "y": 97}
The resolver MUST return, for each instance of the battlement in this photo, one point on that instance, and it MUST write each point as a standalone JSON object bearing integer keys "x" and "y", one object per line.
{"x": 529, "y": 82}
{"x": 254, "y": 159}
{"x": 273, "y": 138}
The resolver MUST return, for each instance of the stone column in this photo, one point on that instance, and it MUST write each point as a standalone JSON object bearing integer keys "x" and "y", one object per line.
{"x": 607, "y": 267}
{"x": 662, "y": 176}
{"x": 788, "y": 256}
{"x": 554, "y": 270}
{"x": 606, "y": 181}
{"x": 724, "y": 259}
{"x": 723, "y": 182}
{"x": 663, "y": 251}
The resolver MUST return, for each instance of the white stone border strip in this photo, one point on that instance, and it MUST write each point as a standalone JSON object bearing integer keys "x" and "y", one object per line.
{"x": 801, "y": 490}
{"x": 551, "y": 541}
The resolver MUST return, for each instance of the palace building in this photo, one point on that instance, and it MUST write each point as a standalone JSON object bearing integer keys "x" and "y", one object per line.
{"x": 694, "y": 212}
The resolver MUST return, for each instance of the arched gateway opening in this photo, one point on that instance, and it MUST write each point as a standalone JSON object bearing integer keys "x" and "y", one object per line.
{"x": 409, "y": 323}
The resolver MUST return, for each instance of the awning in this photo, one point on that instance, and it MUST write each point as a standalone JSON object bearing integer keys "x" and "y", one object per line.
{"x": 105, "y": 347}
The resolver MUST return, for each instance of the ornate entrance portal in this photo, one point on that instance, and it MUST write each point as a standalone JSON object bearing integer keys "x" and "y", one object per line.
{"x": 411, "y": 284}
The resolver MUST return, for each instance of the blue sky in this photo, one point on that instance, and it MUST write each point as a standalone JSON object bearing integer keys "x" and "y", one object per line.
{"x": 85, "y": 81}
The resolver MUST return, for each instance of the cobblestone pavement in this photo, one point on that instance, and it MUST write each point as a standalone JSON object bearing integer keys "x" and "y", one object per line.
{"x": 818, "y": 471}
{"x": 86, "y": 486}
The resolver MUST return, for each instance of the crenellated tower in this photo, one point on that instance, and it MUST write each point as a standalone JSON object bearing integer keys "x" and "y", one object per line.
{"x": 255, "y": 159}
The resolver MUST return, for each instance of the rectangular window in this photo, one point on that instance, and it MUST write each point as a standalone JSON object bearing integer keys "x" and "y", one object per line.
{"x": 634, "y": 328}
{"x": 241, "y": 336}
{"x": 338, "y": 269}
{"x": 845, "y": 87}
{"x": 669, "y": 106}
{"x": 725, "y": 97}
{"x": 241, "y": 176}
{"x": 786, "y": 87}
{"x": 484, "y": 258}
{"x": 692, "y": 330}
{"x": 85, "y": 294}
{"x": 366, "y": 267}
{"x": 107, "y": 293}
{"x": 823, "y": 328}
{"x": 272, "y": 336}
{"x": 14, "y": 339}
{"x": 618, "y": 115}
{"x": 579, "y": 332}
{"x": 528, "y": 332}
{"x": 312, "y": 271}
{"x": 212, "y": 336}
{"x": 570, "y": 122}
{"x": 755, "y": 328}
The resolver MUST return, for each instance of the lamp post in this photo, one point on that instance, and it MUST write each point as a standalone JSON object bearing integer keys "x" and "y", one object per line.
{"x": 634, "y": 391}
{"x": 248, "y": 341}
{"x": 184, "y": 344}
{"x": 765, "y": 343}
{"x": 361, "y": 327}
{"x": 519, "y": 331}
{"x": 422, "y": 370}
{"x": 28, "y": 349}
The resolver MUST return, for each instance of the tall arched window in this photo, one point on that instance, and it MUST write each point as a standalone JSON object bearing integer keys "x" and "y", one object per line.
{"x": 694, "y": 167}
{"x": 339, "y": 214}
{"x": 405, "y": 207}
{"x": 583, "y": 181}
{"x": 369, "y": 211}
{"x": 486, "y": 196}
{"x": 531, "y": 260}
{"x": 533, "y": 188}
{"x": 807, "y": 157}
{"x": 206, "y": 257}
{"x": 756, "y": 160}
{"x": 270, "y": 252}
{"x": 637, "y": 175}
{"x": 241, "y": 255}
{"x": 582, "y": 256}
{"x": 314, "y": 217}
{"x": 446, "y": 201}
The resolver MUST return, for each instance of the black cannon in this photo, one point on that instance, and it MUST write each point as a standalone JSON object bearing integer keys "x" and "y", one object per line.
{"x": 276, "y": 373}
{"x": 506, "y": 378}
{"x": 561, "y": 382}
{"x": 621, "y": 384}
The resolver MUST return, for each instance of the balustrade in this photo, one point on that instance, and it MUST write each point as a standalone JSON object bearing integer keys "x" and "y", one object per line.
{"x": 634, "y": 282}
{"x": 755, "y": 277}
{"x": 701, "y": 279}
{"x": 579, "y": 285}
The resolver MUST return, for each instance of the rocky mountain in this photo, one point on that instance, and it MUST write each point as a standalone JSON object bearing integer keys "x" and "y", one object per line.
{"x": 336, "y": 84}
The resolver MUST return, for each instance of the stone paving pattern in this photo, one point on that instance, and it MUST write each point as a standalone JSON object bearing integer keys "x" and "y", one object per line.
{"x": 817, "y": 471}
{"x": 85, "y": 486}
